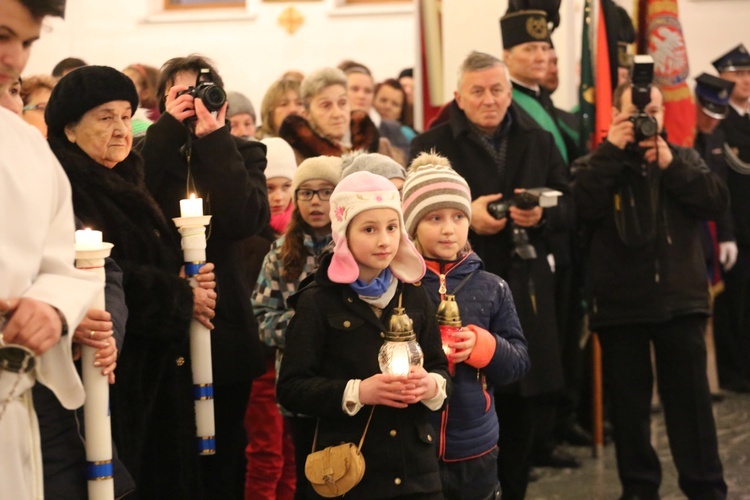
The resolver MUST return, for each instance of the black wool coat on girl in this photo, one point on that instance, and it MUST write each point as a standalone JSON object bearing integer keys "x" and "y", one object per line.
{"x": 153, "y": 420}
{"x": 335, "y": 337}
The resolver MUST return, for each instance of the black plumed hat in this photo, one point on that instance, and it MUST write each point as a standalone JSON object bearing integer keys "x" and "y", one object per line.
{"x": 529, "y": 21}
{"x": 524, "y": 26}
{"x": 84, "y": 89}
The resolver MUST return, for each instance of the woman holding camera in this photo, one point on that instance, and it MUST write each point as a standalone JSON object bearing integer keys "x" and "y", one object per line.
{"x": 191, "y": 145}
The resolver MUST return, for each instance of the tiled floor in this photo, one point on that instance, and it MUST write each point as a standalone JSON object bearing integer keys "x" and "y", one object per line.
{"x": 597, "y": 479}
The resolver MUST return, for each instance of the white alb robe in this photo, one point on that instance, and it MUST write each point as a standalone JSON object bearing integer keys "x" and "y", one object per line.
{"x": 36, "y": 261}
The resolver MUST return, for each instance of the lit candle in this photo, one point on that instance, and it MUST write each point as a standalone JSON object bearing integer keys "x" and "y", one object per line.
{"x": 400, "y": 363}
{"x": 87, "y": 239}
{"x": 193, "y": 230}
{"x": 192, "y": 207}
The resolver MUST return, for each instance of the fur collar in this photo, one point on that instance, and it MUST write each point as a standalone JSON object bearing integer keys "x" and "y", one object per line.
{"x": 116, "y": 202}
{"x": 298, "y": 132}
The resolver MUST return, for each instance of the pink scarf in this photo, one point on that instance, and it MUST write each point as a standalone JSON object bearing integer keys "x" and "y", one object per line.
{"x": 280, "y": 221}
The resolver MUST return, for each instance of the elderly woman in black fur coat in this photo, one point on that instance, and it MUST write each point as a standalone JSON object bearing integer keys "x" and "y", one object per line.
{"x": 88, "y": 117}
{"x": 327, "y": 125}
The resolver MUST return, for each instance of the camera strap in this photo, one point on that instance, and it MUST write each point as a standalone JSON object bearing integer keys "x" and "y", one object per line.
{"x": 189, "y": 180}
{"x": 628, "y": 208}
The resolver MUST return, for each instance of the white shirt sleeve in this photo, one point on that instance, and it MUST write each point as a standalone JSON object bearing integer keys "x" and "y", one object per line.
{"x": 436, "y": 402}
{"x": 351, "y": 405}
{"x": 350, "y": 402}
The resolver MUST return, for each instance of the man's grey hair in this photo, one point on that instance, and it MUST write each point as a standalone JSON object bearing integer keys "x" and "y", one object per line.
{"x": 318, "y": 80}
{"x": 479, "y": 61}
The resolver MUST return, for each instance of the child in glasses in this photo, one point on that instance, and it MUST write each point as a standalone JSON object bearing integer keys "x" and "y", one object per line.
{"x": 291, "y": 258}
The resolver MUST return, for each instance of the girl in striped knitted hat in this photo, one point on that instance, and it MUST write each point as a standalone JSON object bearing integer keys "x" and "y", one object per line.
{"x": 488, "y": 350}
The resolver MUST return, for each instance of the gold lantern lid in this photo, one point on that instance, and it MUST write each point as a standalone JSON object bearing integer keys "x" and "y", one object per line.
{"x": 400, "y": 327}
{"x": 447, "y": 311}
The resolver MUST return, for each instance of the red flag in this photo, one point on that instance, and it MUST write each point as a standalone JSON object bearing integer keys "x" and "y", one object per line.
{"x": 603, "y": 78}
{"x": 664, "y": 41}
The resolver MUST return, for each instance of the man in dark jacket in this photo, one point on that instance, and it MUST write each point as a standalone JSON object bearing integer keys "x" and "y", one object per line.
{"x": 189, "y": 147}
{"x": 499, "y": 149}
{"x": 643, "y": 204}
{"x": 527, "y": 50}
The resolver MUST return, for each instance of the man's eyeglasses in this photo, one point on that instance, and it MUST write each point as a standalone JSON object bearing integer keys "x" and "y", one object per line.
{"x": 37, "y": 107}
{"x": 307, "y": 194}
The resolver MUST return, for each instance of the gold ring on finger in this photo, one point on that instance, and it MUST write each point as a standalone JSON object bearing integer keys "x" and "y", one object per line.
{"x": 92, "y": 334}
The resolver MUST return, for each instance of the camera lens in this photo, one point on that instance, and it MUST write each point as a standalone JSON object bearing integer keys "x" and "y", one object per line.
{"x": 213, "y": 97}
{"x": 498, "y": 210}
{"x": 648, "y": 127}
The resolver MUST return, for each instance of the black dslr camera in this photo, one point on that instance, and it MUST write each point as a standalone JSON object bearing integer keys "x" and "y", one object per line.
{"x": 525, "y": 200}
{"x": 645, "y": 126}
{"x": 212, "y": 95}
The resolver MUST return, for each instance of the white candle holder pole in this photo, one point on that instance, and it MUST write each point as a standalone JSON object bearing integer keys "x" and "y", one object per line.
{"x": 97, "y": 423}
{"x": 193, "y": 231}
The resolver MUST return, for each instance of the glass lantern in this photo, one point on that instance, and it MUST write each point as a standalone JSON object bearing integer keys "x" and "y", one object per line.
{"x": 400, "y": 351}
{"x": 449, "y": 320}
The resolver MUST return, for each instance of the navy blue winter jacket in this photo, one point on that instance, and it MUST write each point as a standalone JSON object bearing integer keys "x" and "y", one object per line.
{"x": 468, "y": 424}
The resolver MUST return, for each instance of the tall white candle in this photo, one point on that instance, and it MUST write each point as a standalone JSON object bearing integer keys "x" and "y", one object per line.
{"x": 86, "y": 239}
{"x": 90, "y": 255}
{"x": 193, "y": 233}
{"x": 192, "y": 207}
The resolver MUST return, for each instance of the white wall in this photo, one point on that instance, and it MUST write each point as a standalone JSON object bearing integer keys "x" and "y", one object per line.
{"x": 251, "y": 49}
{"x": 478, "y": 28}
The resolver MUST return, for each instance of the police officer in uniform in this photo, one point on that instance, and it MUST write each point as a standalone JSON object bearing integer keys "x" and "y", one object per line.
{"x": 732, "y": 308}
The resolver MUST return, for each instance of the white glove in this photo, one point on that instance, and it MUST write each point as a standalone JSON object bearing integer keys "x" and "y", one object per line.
{"x": 728, "y": 254}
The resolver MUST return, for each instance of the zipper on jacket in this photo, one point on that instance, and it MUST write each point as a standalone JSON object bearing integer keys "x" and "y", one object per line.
{"x": 657, "y": 277}
{"x": 442, "y": 288}
{"x": 487, "y": 399}
{"x": 666, "y": 224}
{"x": 443, "y": 427}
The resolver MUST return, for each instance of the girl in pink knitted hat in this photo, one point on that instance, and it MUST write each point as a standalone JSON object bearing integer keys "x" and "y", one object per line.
{"x": 330, "y": 369}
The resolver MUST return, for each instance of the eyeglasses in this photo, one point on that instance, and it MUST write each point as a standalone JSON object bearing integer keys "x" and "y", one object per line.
{"x": 307, "y": 194}
{"x": 37, "y": 107}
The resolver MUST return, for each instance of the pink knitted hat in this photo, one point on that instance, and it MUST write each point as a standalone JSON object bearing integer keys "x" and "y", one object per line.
{"x": 354, "y": 194}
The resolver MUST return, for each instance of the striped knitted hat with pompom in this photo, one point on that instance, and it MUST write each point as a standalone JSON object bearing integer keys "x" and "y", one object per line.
{"x": 432, "y": 184}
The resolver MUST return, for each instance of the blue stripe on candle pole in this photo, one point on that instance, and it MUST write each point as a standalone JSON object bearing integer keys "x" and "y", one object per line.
{"x": 192, "y": 268}
{"x": 99, "y": 471}
{"x": 207, "y": 445}
{"x": 203, "y": 391}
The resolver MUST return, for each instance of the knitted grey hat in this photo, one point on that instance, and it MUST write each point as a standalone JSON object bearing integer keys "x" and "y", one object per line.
{"x": 374, "y": 163}
{"x": 327, "y": 168}
{"x": 239, "y": 104}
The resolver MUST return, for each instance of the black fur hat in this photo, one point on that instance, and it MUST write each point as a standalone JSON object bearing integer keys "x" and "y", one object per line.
{"x": 84, "y": 89}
